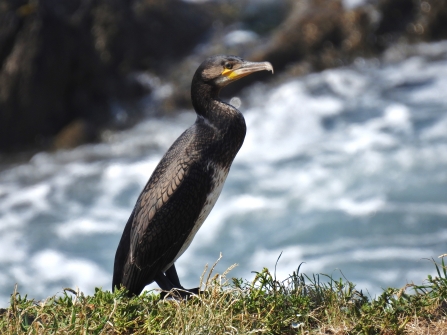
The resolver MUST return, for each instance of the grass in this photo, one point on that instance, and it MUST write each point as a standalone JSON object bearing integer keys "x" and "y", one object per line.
{"x": 317, "y": 304}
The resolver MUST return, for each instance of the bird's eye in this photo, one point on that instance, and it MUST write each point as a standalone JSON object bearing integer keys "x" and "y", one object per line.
{"x": 228, "y": 66}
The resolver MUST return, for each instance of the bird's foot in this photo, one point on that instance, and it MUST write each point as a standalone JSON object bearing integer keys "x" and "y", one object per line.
{"x": 179, "y": 293}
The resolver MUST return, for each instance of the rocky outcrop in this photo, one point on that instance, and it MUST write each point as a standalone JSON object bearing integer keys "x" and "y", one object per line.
{"x": 61, "y": 62}
{"x": 319, "y": 34}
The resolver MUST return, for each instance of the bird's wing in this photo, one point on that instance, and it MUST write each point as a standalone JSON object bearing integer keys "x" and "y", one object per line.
{"x": 121, "y": 253}
{"x": 169, "y": 205}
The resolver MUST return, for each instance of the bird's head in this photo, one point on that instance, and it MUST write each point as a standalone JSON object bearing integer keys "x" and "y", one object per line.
{"x": 221, "y": 70}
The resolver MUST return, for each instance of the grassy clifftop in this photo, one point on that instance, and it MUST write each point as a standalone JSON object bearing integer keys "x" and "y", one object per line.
{"x": 302, "y": 304}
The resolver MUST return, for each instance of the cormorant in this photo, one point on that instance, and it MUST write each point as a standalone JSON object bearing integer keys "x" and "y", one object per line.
{"x": 186, "y": 183}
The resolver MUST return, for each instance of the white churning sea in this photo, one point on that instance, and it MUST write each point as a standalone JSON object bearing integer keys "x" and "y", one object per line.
{"x": 344, "y": 170}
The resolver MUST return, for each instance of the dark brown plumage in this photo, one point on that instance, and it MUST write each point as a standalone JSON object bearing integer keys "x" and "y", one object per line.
{"x": 186, "y": 183}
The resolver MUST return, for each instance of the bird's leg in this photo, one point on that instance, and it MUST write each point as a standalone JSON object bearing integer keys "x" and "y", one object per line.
{"x": 164, "y": 283}
{"x": 170, "y": 280}
{"x": 172, "y": 275}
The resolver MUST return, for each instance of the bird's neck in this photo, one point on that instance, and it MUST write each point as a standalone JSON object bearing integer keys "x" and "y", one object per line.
{"x": 204, "y": 99}
{"x": 206, "y": 102}
{"x": 227, "y": 122}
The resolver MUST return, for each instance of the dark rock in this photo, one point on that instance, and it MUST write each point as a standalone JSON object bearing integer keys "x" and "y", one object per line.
{"x": 395, "y": 15}
{"x": 430, "y": 22}
{"x": 75, "y": 133}
{"x": 322, "y": 34}
{"x": 62, "y": 61}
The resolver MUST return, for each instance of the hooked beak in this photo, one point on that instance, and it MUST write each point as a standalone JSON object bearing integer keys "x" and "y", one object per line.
{"x": 246, "y": 69}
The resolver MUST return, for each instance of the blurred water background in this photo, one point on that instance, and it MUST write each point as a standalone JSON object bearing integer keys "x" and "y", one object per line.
{"x": 343, "y": 169}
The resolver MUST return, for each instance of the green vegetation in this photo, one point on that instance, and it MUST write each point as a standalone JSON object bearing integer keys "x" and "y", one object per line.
{"x": 302, "y": 304}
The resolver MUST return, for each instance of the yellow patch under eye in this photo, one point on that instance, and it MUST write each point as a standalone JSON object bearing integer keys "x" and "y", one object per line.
{"x": 227, "y": 72}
